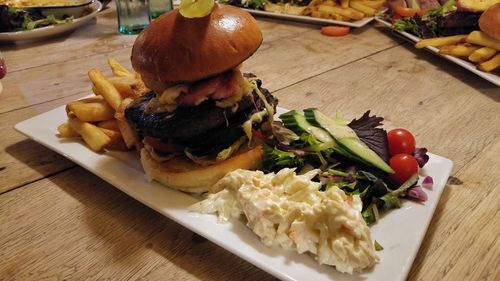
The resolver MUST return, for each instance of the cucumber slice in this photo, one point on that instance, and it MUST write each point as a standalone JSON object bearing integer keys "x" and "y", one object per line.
{"x": 296, "y": 121}
{"x": 347, "y": 139}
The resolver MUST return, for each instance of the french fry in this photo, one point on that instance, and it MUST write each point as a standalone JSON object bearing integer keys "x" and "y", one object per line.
{"x": 329, "y": 3}
{"x": 344, "y": 3}
{"x": 334, "y": 10}
{"x": 362, "y": 8}
{"x": 95, "y": 138}
{"x": 81, "y": 101}
{"x": 118, "y": 69}
{"x": 95, "y": 90}
{"x": 110, "y": 124}
{"x": 491, "y": 64}
{"x": 460, "y": 50}
{"x": 375, "y": 4}
{"x": 440, "y": 41}
{"x": 91, "y": 111}
{"x": 65, "y": 131}
{"x": 124, "y": 85}
{"x": 355, "y": 15}
{"x": 481, "y": 39}
{"x": 482, "y": 54}
{"x": 105, "y": 88}
{"x": 317, "y": 14}
{"x": 129, "y": 135}
{"x": 116, "y": 142}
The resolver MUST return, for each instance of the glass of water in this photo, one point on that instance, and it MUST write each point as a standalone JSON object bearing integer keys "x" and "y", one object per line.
{"x": 158, "y": 7}
{"x": 133, "y": 15}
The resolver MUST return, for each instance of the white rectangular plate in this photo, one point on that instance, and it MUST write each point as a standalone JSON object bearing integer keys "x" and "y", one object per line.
{"x": 308, "y": 19}
{"x": 493, "y": 78}
{"x": 400, "y": 231}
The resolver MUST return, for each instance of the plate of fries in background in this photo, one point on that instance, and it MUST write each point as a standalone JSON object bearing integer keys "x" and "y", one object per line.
{"x": 472, "y": 51}
{"x": 353, "y": 13}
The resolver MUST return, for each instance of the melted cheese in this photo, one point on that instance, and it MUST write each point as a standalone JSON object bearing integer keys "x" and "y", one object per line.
{"x": 288, "y": 210}
{"x": 258, "y": 116}
{"x": 247, "y": 125}
{"x": 165, "y": 102}
{"x": 244, "y": 89}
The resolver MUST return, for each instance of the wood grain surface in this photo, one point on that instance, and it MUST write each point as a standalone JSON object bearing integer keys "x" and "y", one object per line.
{"x": 60, "y": 222}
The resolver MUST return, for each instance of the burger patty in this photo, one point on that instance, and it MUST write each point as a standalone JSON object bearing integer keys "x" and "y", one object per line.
{"x": 205, "y": 127}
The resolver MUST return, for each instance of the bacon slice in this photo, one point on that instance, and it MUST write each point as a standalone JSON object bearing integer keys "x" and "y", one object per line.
{"x": 219, "y": 87}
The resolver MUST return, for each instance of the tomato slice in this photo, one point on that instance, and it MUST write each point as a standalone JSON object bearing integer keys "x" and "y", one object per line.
{"x": 408, "y": 12}
{"x": 335, "y": 30}
{"x": 259, "y": 135}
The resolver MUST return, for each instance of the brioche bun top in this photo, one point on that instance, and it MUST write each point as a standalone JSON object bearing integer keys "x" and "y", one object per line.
{"x": 174, "y": 49}
{"x": 489, "y": 22}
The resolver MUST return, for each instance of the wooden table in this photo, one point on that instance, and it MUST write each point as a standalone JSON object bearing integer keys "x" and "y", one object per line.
{"x": 58, "y": 221}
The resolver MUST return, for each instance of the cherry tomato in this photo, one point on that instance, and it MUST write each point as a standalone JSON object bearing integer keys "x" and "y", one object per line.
{"x": 335, "y": 30}
{"x": 408, "y": 12}
{"x": 404, "y": 166}
{"x": 400, "y": 141}
{"x": 396, "y": 17}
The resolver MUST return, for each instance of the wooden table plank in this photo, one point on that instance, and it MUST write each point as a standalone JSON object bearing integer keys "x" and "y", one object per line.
{"x": 403, "y": 90}
{"x": 65, "y": 223}
{"x": 293, "y": 60}
{"x": 100, "y": 36}
{"x": 75, "y": 226}
{"x": 22, "y": 160}
{"x": 462, "y": 240}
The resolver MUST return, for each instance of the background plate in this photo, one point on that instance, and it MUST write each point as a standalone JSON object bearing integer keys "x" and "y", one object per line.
{"x": 49, "y": 31}
{"x": 308, "y": 19}
{"x": 493, "y": 78}
{"x": 400, "y": 231}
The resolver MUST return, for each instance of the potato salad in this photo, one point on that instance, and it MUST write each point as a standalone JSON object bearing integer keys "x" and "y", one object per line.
{"x": 289, "y": 210}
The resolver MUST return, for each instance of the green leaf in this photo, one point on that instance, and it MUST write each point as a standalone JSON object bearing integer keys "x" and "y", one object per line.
{"x": 369, "y": 214}
{"x": 378, "y": 247}
{"x": 276, "y": 159}
{"x": 407, "y": 24}
{"x": 391, "y": 199}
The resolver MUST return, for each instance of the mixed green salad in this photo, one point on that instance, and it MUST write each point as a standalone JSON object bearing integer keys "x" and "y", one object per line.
{"x": 17, "y": 19}
{"x": 445, "y": 20}
{"x": 358, "y": 156}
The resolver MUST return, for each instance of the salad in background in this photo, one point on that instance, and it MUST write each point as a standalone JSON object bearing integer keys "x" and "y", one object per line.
{"x": 29, "y": 15}
{"x": 433, "y": 18}
{"x": 14, "y": 19}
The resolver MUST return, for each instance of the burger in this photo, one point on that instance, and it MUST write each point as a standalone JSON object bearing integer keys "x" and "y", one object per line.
{"x": 199, "y": 120}
{"x": 489, "y": 22}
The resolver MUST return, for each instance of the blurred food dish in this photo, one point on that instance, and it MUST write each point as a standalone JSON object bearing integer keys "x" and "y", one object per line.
{"x": 37, "y": 33}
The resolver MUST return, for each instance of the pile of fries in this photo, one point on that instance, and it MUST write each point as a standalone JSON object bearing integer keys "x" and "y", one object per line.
{"x": 99, "y": 120}
{"x": 344, "y": 10}
{"x": 477, "y": 47}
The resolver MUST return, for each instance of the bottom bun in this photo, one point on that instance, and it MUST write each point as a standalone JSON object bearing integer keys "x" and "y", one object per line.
{"x": 182, "y": 174}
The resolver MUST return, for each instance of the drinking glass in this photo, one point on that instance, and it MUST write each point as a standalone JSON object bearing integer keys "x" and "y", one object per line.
{"x": 133, "y": 15}
{"x": 158, "y": 7}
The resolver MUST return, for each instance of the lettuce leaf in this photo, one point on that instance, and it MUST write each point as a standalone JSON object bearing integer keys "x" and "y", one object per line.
{"x": 367, "y": 130}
